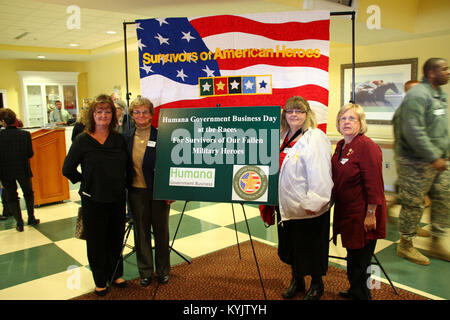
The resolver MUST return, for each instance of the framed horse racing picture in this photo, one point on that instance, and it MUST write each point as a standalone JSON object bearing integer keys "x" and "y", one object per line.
{"x": 379, "y": 86}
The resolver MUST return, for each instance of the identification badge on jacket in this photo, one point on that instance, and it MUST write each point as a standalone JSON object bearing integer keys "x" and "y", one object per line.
{"x": 151, "y": 144}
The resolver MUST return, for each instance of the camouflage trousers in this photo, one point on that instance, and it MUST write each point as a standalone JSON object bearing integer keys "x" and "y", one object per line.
{"x": 415, "y": 180}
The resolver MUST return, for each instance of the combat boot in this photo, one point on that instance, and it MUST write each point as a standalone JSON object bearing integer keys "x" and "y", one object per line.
{"x": 405, "y": 249}
{"x": 438, "y": 249}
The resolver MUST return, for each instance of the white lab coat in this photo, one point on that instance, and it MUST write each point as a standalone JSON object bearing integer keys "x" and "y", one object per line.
{"x": 305, "y": 180}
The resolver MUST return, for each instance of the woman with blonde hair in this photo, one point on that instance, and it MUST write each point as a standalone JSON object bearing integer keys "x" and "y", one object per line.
{"x": 102, "y": 154}
{"x": 358, "y": 193}
{"x": 305, "y": 186}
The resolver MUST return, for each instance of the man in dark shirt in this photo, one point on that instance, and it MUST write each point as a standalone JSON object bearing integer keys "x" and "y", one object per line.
{"x": 16, "y": 150}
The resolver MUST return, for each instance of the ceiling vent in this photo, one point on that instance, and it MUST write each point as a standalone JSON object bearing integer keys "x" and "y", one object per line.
{"x": 20, "y": 36}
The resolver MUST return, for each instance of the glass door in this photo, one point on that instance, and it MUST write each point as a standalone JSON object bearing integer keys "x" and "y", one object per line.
{"x": 35, "y": 107}
{"x": 70, "y": 99}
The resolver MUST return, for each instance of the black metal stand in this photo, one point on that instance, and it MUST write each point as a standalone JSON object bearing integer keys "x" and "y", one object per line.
{"x": 254, "y": 254}
{"x": 375, "y": 263}
{"x": 128, "y": 228}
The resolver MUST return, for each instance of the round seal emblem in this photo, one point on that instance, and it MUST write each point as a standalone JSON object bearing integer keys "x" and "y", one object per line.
{"x": 250, "y": 183}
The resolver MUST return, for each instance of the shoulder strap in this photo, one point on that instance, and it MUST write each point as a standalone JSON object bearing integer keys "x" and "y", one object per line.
{"x": 299, "y": 131}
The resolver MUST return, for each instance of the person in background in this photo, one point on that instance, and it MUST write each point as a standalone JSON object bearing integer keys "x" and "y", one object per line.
{"x": 305, "y": 186}
{"x": 16, "y": 151}
{"x": 81, "y": 123}
{"x": 147, "y": 212}
{"x": 391, "y": 200}
{"x": 59, "y": 116}
{"x": 358, "y": 192}
{"x": 6, "y": 211}
{"x": 102, "y": 154}
{"x": 422, "y": 152}
{"x": 120, "y": 107}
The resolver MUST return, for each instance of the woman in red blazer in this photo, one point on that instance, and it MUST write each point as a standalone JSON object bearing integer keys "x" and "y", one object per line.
{"x": 360, "y": 205}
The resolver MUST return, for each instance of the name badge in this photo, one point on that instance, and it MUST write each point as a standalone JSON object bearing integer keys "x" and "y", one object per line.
{"x": 344, "y": 160}
{"x": 439, "y": 112}
{"x": 151, "y": 144}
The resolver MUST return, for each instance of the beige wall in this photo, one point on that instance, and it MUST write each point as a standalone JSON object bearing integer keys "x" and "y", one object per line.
{"x": 422, "y": 49}
{"x": 9, "y": 78}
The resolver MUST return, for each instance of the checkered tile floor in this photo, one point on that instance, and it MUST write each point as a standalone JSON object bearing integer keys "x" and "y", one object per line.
{"x": 47, "y": 262}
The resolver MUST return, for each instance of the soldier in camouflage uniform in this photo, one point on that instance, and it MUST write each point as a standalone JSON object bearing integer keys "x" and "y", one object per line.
{"x": 422, "y": 152}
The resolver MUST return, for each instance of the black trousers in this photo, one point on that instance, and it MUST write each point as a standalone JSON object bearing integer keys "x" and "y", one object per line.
{"x": 150, "y": 214}
{"x": 12, "y": 197}
{"x": 105, "y": 229}
{"x": 358, "y": 260}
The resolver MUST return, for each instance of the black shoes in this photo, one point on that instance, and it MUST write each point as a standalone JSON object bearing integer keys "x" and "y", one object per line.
{"x": 122, "y": 284}
{"x": 19, "y": 228}
{"x": 297, "y": 285}
{"x": 33, "y": 222}
{"x": 314, "y": 292}
{"x": 163, "y": 279}
{"x": 146, "y": 281}
{"x": 102, "y": 293}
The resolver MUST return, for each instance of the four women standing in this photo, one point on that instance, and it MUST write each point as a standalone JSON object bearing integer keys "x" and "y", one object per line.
{"x": 111, "y": 163}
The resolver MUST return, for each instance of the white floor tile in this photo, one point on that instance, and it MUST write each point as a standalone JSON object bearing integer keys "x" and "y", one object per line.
{"x": 61, "y": 286}
{"x": 12, "y": 240}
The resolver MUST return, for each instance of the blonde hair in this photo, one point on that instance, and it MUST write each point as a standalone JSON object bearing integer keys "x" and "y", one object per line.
{"x": 141, "y": 101}
{"x": 297, "y": 102}
{"x": 358, "y": 110}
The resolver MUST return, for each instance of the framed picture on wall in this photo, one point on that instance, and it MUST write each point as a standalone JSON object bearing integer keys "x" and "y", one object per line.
{"x": 378, "y": 86}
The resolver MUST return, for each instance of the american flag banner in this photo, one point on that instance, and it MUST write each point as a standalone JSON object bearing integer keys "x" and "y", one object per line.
{"x": 257, "y": 59}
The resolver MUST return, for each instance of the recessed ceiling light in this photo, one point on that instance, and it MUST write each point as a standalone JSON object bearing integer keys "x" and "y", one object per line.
{"x": 74, "y": 44}
{"x": 41, "y": 57}
{"x": 111, "y": 32}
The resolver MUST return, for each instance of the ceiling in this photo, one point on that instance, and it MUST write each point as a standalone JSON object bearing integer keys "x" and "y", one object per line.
{"x": 29, "y": 28}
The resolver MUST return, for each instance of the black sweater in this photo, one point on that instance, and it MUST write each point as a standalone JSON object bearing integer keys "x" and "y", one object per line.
{"x": 103, "y": 167}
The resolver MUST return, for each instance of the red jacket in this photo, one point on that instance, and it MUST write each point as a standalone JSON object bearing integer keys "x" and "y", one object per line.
{"x": 358, "y": 181}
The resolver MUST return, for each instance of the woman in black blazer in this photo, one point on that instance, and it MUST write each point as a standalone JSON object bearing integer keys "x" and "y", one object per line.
{"x": 102, "y": 153}
{"x": 146, "y": 212}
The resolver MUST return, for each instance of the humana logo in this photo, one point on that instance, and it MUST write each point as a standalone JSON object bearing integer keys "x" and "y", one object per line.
{"x": 192, "y": 177}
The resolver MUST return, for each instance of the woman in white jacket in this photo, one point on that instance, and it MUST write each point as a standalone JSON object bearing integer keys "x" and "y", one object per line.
{"x": 305, "y": 185}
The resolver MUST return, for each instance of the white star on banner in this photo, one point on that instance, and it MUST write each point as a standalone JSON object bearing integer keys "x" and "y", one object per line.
{"x": 141, "y": 45}
{"x": 162, "y": 39}
{"x": 180, "y": 74}
{"x": 187, "y": 36}
{"x": 162, "y": 21}
{"x": 138, "y": 26}
{"x": 147, "y": 68}
{"x": 249, "y": 85}
{"x": 206, "y": 86}
{"x": 209, "y": 72}
{"x": 234, "y": 84}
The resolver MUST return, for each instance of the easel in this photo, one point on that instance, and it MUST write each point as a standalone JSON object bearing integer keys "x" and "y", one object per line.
{"x": 377, "y": 262}
{"x": 237, "y": 240}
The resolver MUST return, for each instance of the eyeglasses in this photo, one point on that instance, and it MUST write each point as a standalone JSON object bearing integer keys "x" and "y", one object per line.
{"x": 351, "y": 119}
{"x": 144, "y": 113}
{"x": 291, "y": 111}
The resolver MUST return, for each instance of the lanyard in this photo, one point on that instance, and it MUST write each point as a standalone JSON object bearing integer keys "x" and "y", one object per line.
{"x": 299, "y": 131}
